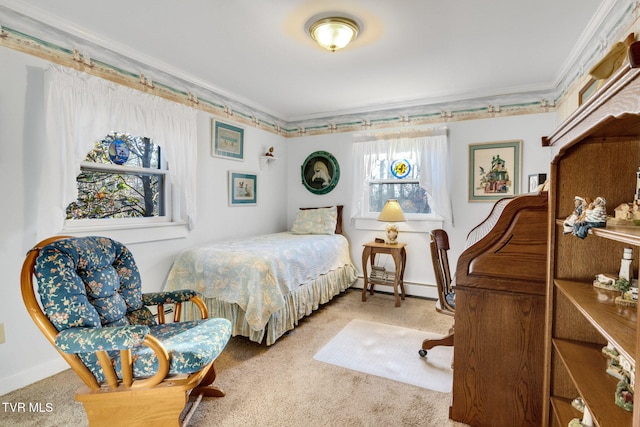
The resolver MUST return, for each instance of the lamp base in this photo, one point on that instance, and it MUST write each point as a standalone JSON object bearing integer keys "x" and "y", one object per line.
{"x": 392, "y": 234}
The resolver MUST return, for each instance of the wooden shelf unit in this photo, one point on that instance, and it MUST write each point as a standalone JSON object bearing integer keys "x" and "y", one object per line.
{"x": 599, "y": 155}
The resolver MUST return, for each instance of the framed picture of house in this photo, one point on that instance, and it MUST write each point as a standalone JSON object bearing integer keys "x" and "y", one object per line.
{"x": 227, "y": 140}
{"x": 494, "y": 170}
{"x": 243, "y": 188}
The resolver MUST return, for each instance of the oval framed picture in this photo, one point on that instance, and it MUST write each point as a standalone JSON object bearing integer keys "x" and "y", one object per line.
{"x": 320, "y": 172}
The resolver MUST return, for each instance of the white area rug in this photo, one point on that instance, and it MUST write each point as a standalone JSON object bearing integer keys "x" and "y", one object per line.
{"x": 390, "y": 352}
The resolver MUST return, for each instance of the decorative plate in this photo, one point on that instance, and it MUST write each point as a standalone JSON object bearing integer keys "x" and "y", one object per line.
{"x": 400, "y": 168}
{"x": 118, "y": 152}
{"x": 320, "y": 172}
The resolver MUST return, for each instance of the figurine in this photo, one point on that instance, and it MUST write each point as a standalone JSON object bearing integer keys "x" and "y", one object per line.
{"x": 623, "y": 212}
{"x": 623, "y": 282}
{"x": 627, "y": 297}
{"x": 605, "y": 281}
{"x": 594, "y": 216}
{"x": 586, "y": 421}
{"x": 624, "y": 395}
{"x": 625, "y": 264}
{"x": 579, "y": 205}
{"x": 613, "y": 366}
{"x": 270, "y": 152}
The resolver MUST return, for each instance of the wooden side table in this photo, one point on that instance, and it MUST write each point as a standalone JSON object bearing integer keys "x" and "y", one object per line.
{"x": 399, "y": 254}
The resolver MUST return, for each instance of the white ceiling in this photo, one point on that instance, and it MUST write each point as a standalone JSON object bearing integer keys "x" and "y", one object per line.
{"x": 409, "y": 52}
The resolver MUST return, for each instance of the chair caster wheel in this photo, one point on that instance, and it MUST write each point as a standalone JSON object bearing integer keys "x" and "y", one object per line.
{"x": 422, "y": 353}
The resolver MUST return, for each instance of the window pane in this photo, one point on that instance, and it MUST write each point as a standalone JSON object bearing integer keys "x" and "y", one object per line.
{"x": 113, "y": 195}
{"x": 114, "y": 191}
{"x": 411, "y": 197}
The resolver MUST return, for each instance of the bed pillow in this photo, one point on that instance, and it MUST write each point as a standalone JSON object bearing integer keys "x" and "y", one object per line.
{"x": 339, "y": 220}
{"x": 315, "y": 221}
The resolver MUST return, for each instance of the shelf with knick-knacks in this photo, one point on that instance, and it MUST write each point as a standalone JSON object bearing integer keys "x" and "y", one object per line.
{"x": 267, "y": 158}
{"x": 587, "y": 328}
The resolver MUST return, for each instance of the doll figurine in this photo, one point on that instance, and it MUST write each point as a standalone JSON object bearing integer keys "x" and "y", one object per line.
{"x": 569, "y": 222}
{"x": 593, "y": 216}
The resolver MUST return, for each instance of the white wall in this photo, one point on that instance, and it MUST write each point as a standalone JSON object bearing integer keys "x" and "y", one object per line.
{"x": 26, "y": 356}
{"x": 419, "y": 276}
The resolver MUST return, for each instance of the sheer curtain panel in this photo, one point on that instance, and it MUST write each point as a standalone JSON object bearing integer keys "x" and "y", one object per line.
{"x": 81, "y": 109}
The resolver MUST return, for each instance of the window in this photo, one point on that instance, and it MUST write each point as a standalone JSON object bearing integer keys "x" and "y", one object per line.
{"x": 411, "y": 166}
{"x": 123, "y": 179}
{"x": 397, "y": 179}
{"x": 79, "y": 105}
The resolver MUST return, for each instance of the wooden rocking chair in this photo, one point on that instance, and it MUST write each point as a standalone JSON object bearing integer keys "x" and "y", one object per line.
{"x": 137, "y": 371}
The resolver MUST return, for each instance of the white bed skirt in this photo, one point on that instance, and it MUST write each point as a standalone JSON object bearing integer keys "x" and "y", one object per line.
{"x": 298, "y": 304}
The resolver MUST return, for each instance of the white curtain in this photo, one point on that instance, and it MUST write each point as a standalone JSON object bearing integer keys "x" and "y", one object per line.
{"x": 430, "y": 147}
{"x": 81, "y": 109}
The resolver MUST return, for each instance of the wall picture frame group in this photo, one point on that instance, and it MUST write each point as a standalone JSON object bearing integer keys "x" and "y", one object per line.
{"x": 227, "y": 140}
{"x": 494, "y": 170}
{"x": 243, "y": 188}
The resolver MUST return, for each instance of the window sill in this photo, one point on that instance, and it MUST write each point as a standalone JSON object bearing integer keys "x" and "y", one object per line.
{"x": 422, "y": 225}
{"x": 134, "y": 233}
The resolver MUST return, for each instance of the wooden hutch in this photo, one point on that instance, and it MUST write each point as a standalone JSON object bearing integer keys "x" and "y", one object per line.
{"x": 599, "y": 155}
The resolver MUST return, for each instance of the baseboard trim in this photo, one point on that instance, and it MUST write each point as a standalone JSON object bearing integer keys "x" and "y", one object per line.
{"x": 422, "y": 290}
{"x": 29, "y": 376}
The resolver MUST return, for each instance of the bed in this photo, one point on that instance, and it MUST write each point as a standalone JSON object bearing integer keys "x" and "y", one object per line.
{"x": 265, "y": 284}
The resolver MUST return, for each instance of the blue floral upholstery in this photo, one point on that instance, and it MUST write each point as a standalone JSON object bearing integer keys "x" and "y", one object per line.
{"x": 90, "y": 289}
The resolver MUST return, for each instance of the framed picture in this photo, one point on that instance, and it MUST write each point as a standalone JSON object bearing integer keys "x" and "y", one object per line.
{"x": 494, "y": 170}
{"x": 227, "y": 141}
{"x": 535, "y": 180}
{"x": 242, "y": 188}
{"x": 320, "y": 172}
{"x": 587, "y": 91}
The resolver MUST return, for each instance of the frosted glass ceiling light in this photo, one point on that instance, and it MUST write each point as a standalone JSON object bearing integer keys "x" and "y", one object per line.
{"x": 333, "y": 33}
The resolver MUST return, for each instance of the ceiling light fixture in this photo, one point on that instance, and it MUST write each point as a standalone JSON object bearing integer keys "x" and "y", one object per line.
{"x": 334, "y": 33}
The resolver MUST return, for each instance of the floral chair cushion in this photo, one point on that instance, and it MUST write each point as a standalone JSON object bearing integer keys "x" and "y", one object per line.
{"x": 191, "y": 345}
{"x": 88, "y": 281}
{"x": 90, "y": 289}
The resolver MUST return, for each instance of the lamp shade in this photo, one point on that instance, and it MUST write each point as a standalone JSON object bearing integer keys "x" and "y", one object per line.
{"x": 333, "y": 33}
{"x": 391, "y": 212}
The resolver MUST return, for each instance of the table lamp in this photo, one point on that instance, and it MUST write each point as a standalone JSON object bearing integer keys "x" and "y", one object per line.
{"x": 391, "y": 213}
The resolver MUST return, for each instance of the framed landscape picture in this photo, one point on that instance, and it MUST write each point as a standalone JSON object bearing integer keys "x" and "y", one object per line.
{"x": 494, "y": 170}
{"x": 227, "y": 141}
{"x": 243, "y": 188}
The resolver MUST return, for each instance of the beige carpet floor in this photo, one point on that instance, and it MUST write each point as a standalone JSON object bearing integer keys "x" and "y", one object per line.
{"x": 282, "y": 385}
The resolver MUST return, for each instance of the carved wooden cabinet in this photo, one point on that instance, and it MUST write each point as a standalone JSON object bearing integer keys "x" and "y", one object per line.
{"x": 598, "y": 155}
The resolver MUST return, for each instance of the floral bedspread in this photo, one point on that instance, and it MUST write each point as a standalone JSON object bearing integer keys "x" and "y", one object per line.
{"x": 258, "y": 272}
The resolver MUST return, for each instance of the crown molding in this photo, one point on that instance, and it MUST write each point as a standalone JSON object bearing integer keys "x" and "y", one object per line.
{"x": 35, "y": 32}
